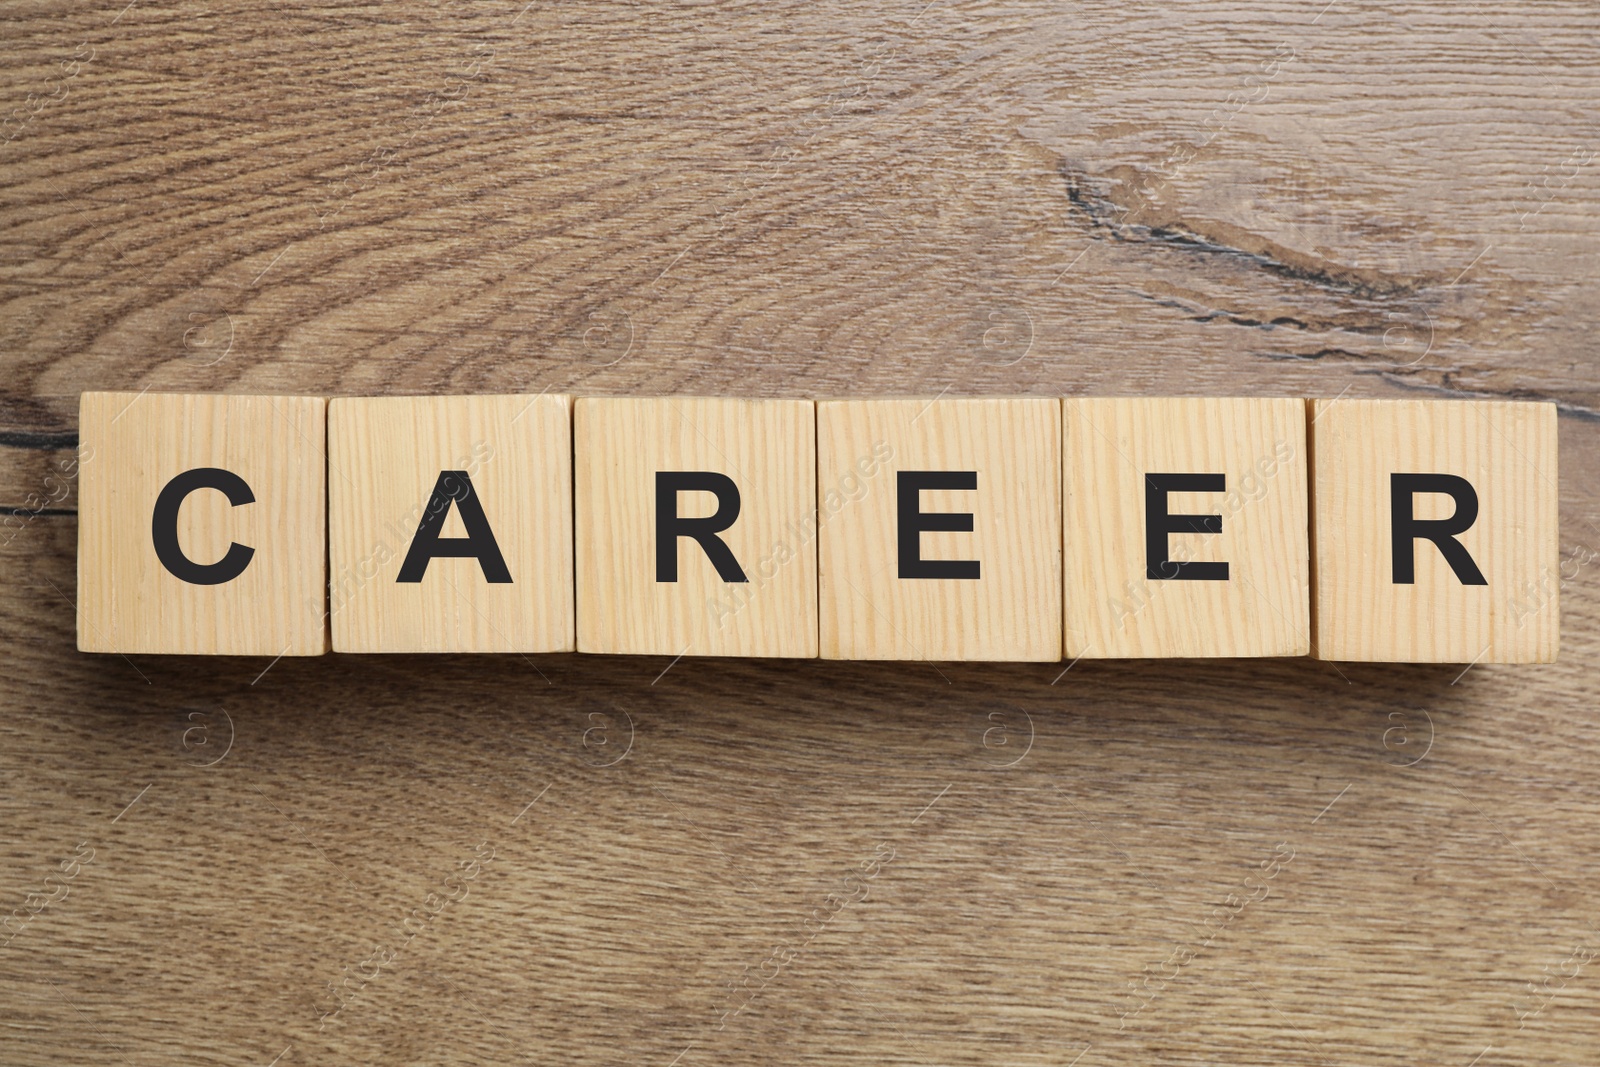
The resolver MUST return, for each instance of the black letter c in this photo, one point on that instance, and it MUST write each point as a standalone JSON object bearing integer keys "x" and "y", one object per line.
{"x": 164, "y": 526}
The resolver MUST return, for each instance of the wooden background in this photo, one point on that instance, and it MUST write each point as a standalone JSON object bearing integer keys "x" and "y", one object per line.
{"x": 582, "y": 861}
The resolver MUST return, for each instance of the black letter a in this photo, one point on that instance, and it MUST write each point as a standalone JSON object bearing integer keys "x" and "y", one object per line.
{"x": 479, "y": 542}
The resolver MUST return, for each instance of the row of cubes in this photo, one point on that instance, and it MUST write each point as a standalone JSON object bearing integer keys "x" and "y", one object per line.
{"x": 946, "y": 529}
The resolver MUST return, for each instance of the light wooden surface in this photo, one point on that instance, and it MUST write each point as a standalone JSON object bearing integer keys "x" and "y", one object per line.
{"x": 1112, "y": 606}
{"x": 133, "y": 446}
{"x": 1012, "y": 610}
{"x": 1224, "y": 199}
{"x": 385, "y": 458}
{"x": 767, "y": 448}
{"x": 1507, "y": 453}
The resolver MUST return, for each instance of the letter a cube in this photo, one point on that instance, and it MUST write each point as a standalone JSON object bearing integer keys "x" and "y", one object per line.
{"x": 1436, "y": 531}
{"x": 451, "y": 524}
{"x": 201, "y": 524}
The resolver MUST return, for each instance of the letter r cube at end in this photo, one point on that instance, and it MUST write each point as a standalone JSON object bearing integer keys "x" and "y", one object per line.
{"x": 1435, "y": 530}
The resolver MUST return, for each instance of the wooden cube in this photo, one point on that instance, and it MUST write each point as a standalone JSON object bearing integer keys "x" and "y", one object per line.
{"x": 696, "y": 526}
{"x": 941, "y": 529}
{"x": 1186, "y": 528}
{"x": 1436, "y": 531}
{"x": 201, "y": 524}
{"x": 450, "y": 524}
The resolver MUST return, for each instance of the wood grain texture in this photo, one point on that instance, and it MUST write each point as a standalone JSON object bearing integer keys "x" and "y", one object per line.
{"x": 767, "y": 449}
{"x": 1262, "y": 607}
{"x": 1506, "y": 452}
{"x": 386, "y": 458}
{"x": 1255, "y": 198}
{"x": 868, "y": 607}
{"x": 138, "y": 445}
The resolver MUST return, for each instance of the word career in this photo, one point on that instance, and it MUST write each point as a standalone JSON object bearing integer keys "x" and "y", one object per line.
{"x": 947, "y": 529}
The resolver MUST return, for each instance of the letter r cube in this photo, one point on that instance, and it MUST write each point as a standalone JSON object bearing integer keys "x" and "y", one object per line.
{"x": 1436, "y": 531}
{"x": 696, "y": 526}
